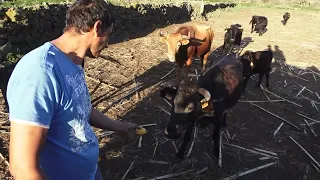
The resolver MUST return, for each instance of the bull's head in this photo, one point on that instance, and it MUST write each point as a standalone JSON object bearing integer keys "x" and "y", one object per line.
{"x": 188, "y": 103}
{"x": 232, "y": 31}
{"x": 174, "y": 41}
{"x": 247, "y": 62}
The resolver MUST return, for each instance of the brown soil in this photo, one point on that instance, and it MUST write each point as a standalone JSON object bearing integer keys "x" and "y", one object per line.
{"x": 298, "y": 48}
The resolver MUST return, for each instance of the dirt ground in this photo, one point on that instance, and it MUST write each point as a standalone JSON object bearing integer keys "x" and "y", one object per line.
{"x": 296, "y": 47}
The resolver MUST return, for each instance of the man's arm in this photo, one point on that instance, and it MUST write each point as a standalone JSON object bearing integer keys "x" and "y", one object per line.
{"x": 25, "y": 143}
{"x": 99, "y": 120}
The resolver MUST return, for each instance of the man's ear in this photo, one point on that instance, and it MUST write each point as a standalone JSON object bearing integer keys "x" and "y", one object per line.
{"x": 97, "y": 28}
{"x": 185, "y": 41}
{"x": 168, "y": 93}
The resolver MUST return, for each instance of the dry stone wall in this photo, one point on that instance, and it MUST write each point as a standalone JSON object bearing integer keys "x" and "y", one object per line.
{"x": 25, "y": 28}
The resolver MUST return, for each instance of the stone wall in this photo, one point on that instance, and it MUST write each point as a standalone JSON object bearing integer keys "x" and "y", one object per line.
{"x": 25, "y": 28}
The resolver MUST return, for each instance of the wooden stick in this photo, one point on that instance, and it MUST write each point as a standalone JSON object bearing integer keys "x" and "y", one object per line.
{"x": 294, "y": 75}
{"x": 264, "y": 92}
{"x": 277, "y": 116}
{"x": 285, "y": 83}
{"x": 316, "y": 162}
{"x": 128, "y": 94}
{"x": 175, "y": 146}
{"x": 158, "y": 162}
{"x": 192, "y": 143}
{"x": 315, "y": 166}
{"x": 220, "y": 150}
{"x": 167, "y": 102}
{"x": 250, "y": 171}
{"x": 265, "y": 151}
{"x": 311, "y": 129}
{"x": 125, "y": 174}
{"x": 168, "y": 73}
{"x": 5, "y": 161}
{"x": 140, "y": 139}
{"x": 317, "y": 95}
{"x": 264, "y": 158}
{"x": 303, "y": 86}
{"x": 283, "y": 98}
{"x": 314, "y": 77}
{"x": 307, "y": 117}
{"x": 263, "y": 101}
{"x": 277, "y": 130}
{"x": 172, "y": 175}
{"x": 103, "y": 83}
{"x": 147, "y": 125}
{"x": 155, "y": 148}
{"x": 136, "y": 86}
{"x": 252, "y": 151}
{"x": 198, "y": 172}
{"x": 164, "y": 110}
{"x": 300, "y": 91}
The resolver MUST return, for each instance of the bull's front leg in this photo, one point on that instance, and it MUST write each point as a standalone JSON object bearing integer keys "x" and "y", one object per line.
{"x": 260, "y": 79}
{"x": 186, "y": 140}
{"x": 216, "y": 136}
{"x": 267, "y": 80}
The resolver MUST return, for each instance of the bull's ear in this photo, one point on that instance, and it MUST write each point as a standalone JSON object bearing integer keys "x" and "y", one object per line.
{"x": 185, "y": 41}
{"x": 168, "y": 93}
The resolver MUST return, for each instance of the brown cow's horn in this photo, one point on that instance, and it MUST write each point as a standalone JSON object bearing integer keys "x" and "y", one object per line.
{"x": 205, "y": 93}
{"x": 186, "y": 37}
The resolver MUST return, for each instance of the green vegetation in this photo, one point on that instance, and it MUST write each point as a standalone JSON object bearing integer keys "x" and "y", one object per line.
{"x": 281, "y": 4}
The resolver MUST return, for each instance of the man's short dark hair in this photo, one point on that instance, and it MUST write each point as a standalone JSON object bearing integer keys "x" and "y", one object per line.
{"x": 82, "y": 15}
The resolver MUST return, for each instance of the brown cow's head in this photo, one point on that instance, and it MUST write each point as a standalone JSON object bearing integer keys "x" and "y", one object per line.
{"x": 174, "y": 41}
{"x": 247, "y": 62}
{"x": 189, "y": 102}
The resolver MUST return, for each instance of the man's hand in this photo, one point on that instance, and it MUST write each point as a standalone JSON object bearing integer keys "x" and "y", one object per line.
{"x": 129, "y": 129}
{"x": 99, "y": 120}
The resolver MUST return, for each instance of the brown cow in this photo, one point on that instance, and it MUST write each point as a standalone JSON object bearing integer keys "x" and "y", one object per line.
{"x": 188, "y": 42}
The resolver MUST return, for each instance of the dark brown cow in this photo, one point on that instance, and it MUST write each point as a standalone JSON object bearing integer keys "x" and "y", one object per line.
{"x": 205, "y": 101}
{"x": 286, "y": 17}
{"x": 232, "y": 36}
{"x": 188, "y": 42}
{"x": 258, "y": 62}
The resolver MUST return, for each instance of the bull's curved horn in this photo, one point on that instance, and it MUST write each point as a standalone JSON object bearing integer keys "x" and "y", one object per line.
{"x": 205, "y": 93}
{"x": 186, "y": 37}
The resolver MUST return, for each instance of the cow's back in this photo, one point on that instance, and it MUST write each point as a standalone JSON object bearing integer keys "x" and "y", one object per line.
{"x": 223, "y": 79}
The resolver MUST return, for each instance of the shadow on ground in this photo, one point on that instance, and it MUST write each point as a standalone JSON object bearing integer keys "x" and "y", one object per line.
{"x": 249, "y": 126}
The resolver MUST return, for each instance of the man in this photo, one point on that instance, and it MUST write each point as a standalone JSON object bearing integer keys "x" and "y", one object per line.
{"x": 49, "y": 103}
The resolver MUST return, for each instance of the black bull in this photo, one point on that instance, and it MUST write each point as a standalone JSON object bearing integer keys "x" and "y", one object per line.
{"x": 205, "y": 101}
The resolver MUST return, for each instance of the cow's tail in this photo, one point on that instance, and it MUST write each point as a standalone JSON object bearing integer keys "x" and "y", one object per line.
{"x": 250, "y": 22}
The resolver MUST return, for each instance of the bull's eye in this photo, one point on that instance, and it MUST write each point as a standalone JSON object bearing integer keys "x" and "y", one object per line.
{"x": 189, "y": 108}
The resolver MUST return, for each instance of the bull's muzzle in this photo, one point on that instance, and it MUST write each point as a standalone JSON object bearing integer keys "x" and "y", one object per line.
{"x": 171, "y": 58}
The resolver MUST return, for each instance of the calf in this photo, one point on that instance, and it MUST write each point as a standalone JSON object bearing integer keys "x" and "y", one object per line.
{"x": 259, "y": 24}
{"x": 258, "y": 62}
{"x": 188, "y": 42}
{"x": 286, "y": 17}
{"x": 205, "y": 101}
{"x": 232, "y": 36}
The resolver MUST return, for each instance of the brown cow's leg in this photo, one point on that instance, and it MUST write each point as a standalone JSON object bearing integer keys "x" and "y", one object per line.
{"x": 186, "y": 140}
{"x": 204, "y": 61}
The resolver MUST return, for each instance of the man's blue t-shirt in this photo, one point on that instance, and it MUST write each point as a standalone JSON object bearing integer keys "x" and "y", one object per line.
{"x": 47, "y": 89}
